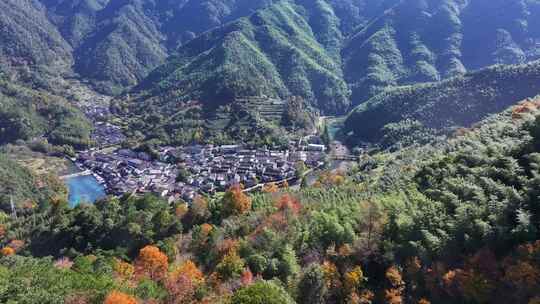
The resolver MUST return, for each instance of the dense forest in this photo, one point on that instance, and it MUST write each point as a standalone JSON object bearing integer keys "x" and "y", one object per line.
{"x": 331, "y": 52}
{"x": 27, "y": 114}
{"x": 409, "y": 113}
{"x": 449, "y": 222}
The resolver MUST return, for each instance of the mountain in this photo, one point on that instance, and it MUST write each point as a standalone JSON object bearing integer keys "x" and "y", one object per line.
{"x": 430, "y": 40}
{"x": 114, "y": 44}
{"x": 117, "y": 43}
{"x": 28, "y": 114}
{"x": 373, "y": 44}
{"x": 31, "y": 47}
{"x": 457, "y": 102}
{"x": 274, "y": 52}
{"x": 321, "y": 50}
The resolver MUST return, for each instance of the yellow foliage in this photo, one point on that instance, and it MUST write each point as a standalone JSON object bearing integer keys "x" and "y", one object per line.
{"x": 394, "y": 277}
{"x": 236, "y": 201}
{"x": 354, "y": 278}
{"x": 123, "y": 269}
{"x": 270, "y": 188}
{"x": 331, "y": 274}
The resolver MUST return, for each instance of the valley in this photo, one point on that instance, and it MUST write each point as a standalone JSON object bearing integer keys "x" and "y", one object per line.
{"x": 269, "y": 151}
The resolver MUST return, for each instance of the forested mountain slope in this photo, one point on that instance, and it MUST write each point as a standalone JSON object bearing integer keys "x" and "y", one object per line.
{"x": 274, "y": 52}
{"x": 27, "y": 114}
{"x": 367, "y": 45}
{"x": 456, "y": 102}
{"x": 30, "y": 44}
{"x": 430, "y": 40}
{"x": 112, "y": 43}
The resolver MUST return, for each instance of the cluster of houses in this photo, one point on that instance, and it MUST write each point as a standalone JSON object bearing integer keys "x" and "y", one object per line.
{"x": 125, "y": 171}
{"x": 183, "y": 172}
{"x": 104, "y": 133}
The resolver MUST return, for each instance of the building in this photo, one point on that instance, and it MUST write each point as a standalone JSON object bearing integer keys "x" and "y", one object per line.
{"x": 316, "y": 148}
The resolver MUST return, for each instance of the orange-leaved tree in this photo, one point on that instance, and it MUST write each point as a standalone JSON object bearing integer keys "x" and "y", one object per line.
{"x": 183, "y": 282}
{"x": 247, "y": 277}
{"x": 116, "y": 297}
{"x": 7, "y": 251}
{"x": 181, "y": 210}
{"x": 190, "y": 270}
{"x": 199, "y": 209}
{"x": 270, "y": 188}
{"x": 290, "y": 204}
{"x": 235, "y": 201}
{"x": 152, "y": 262}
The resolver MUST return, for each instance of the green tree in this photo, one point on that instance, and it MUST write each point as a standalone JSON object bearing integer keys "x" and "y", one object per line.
{"x": 262, "y": 292}
{"x": 312, "y": 287}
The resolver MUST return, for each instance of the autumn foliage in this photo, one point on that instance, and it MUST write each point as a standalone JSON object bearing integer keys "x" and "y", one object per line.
{"x": 190, "y": 271}
{"x": 181, "y": 289}
{"x": 17, "y": 245}
{"x": 123, "y": 269}
{"x": 247, "y": 277}
{"x": 354, "y": 278}
{"x": 236, "y": 202}
{"x": 394, "y": 294}
{"x": 288, "y": 203}
{"x": 7, "y": 251}
{"x": 152, "y": 263}
{"x": 525, "y": 107}
{"x": 330, "y": 179}
{"x": 116, "y": 297}
{"x": 181, "y": 210}
{"x": 182, "y": 283}
{"x": 270, "y": 188}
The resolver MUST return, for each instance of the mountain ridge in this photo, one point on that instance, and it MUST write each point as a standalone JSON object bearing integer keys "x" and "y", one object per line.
{"x": 456, "y": 102}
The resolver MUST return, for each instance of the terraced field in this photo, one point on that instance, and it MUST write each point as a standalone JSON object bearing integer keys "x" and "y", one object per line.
{"x": 245, "y": 110}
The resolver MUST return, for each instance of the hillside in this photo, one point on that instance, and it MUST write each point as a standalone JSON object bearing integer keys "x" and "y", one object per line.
{"x": 274, "y": 52}
{"x": 457, "y": 102}
{"x": 31, "y": 48}
{"x": 347, "y": 51}
{"x": 27, "y": 114}
{"x": 25, "y": 188}
{"x": 341, "y": 53}
{"x": 114, "y": 44}
{"x": 424, "y": 41}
